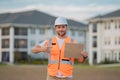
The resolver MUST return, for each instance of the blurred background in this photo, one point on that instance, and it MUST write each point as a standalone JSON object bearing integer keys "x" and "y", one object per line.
{"x": 25, "y": 23}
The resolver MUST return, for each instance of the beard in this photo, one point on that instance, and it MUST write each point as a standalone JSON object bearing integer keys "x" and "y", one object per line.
{"x": 61, "y": 33}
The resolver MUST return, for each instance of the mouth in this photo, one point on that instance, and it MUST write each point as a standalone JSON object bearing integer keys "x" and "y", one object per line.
{"x": 61, "y": 33}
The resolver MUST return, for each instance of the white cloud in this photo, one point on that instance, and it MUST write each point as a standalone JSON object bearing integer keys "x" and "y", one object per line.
{"x": 75, "y": 12}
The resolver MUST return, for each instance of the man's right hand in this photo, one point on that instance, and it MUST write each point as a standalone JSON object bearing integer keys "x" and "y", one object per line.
{"x": 43, "y": 48}
{"x": 38, "y": 49}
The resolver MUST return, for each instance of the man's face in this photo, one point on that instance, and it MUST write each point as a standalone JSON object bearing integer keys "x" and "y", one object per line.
{"x": 61, "y": 30}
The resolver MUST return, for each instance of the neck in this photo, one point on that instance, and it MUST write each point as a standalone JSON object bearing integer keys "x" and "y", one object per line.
{"x": 61, "y": 37}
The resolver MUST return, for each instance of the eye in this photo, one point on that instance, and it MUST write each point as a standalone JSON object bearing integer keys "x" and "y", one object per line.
{"x": 63, "y": 26}
{"x": 58, "y": 27}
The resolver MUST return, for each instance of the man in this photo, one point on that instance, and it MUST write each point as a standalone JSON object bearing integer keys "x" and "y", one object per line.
{"x": 59, "y": 67}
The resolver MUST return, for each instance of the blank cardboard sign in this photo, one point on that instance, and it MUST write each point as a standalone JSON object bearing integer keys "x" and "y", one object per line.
{"x": 73, "y": 50}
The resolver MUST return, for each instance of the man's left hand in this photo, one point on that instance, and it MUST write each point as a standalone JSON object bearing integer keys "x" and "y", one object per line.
{"x": 84, "y": 54}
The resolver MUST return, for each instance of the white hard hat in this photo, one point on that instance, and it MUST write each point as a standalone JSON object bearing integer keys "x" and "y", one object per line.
{"x": 60, "y": 21}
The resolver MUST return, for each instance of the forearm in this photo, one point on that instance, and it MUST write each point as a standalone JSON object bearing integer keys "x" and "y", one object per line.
{"x": 36, "y": 49}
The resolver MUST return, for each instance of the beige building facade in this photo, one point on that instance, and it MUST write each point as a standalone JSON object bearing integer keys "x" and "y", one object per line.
{"x": 104, "y": 38}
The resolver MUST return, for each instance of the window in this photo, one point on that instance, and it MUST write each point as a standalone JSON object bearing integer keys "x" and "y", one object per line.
{"x": 116, "y": 41}
{"x": 119, "y": 40}
{"x": 20, "y": 56}
{"x": 95, "y": 27}
{"x": 21, "y": 31}
{"x": 5, "y": 43}
{"x": 119, "y": 55}
{"x": 42, "y": 31}
{"x": 109, "y": 41}
{"x": 94, "y": 55}
{"x": 32, "y": 30}
{"x": 115, "y": 26}
{"x": 72, "y": 33}
{"x": 105, "y": 42}
{"x": 94, "y": 38}
{"x": 109, "y": 26}
{"x": 119, "y": 25}
{"x": 80, "y": 34}
{"x": 94, "y": 41}
{"x": 5, "y": 31}
{"x": 5, "y": 56}
{"x": 20, "y": 43}
{"x": 53, "y": 31}
{"x": 32, "y": 43}
{"x": 105, "y": 27}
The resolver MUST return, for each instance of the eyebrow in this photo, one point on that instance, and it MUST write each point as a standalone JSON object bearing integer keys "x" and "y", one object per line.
{"x": 61, "y": 25}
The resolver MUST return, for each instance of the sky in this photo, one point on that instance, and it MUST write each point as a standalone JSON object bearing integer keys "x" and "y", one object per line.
{"x": 79, "y": 10}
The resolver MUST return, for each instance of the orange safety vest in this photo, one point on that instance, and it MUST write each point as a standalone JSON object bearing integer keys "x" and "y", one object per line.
{"x": 57, "y": 61}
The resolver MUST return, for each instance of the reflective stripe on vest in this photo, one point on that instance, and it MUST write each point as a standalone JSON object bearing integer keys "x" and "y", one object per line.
{"x": 49, "y": 44}
{"x": 61, "y": 61}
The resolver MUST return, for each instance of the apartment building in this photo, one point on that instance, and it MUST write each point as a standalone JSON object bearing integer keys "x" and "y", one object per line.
{"x": 104, "y": 38}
